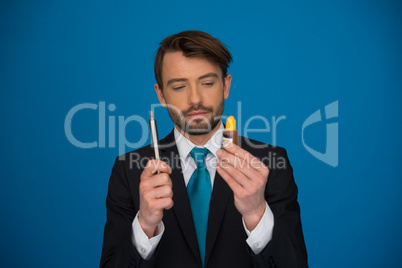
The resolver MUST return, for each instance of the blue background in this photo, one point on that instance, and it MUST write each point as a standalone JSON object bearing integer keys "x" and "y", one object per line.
{"x": 291, "y": 58}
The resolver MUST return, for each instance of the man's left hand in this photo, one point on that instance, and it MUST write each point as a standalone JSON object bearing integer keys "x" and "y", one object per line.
{"x": 247, "y": 177}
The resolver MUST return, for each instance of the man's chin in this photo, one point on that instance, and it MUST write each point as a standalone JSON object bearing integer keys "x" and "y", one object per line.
{"x": 200, "y": 129}
{"x": 198, "y": 132}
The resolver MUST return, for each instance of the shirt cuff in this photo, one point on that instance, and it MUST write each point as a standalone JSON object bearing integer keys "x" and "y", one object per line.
{"x": 146, "y": 247}
{"x": 259, "y": 238}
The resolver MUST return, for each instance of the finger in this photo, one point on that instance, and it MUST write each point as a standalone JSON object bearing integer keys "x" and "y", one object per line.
{"x": 240, "y": 152}
{"x": 166, "y": 203}
{"x": 227, "y": 159}
{"x": 233, "y": 184}
{"x": 160, "y": 204}
{"x": 244, "y": 179}
{"x": 161, "y": 192}
{"x": 254, "y": 162}
{"x": 155, "y": 165}
{"x": 157, "y": 180}
{"x": 160, "y": 179}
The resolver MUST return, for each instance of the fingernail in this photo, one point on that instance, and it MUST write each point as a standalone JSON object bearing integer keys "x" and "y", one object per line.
{"x": 227, "y": 144}
{"x": 219, "y": 152}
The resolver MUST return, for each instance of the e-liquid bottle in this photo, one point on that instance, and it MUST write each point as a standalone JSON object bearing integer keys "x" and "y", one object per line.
{"x": 230, "y": 133}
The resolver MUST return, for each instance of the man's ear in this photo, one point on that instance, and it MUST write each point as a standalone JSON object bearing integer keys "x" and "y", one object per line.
{"x": 159, "y": 93}
{"x": 226, "y": 87}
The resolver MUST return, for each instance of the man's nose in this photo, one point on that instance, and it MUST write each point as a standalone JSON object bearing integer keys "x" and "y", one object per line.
{"x": 195, "y": 96}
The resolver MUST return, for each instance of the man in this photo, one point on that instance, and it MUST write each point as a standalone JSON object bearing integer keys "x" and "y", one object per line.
{"x": 248, "y": 214}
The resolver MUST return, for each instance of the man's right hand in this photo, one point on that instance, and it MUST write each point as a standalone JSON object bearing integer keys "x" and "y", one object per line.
{"x": 155, "y": 195}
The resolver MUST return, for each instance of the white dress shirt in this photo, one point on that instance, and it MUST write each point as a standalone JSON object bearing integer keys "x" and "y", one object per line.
{"x": 257, "y": 239}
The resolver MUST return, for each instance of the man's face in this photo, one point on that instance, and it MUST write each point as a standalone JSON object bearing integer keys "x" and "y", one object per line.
{"x": 193, "y": 91}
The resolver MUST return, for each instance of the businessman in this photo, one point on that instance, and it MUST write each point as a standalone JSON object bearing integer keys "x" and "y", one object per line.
{"x": 203, "y": 204}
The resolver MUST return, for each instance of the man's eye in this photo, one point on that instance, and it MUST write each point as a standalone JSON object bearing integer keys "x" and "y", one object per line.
{"x": 178, "y": 87}
{"x": 208, "y": 84}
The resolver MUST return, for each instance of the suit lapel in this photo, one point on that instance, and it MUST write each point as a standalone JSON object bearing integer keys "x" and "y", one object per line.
{"x": 219, "y": 200}
{"x": 181, "y": 207}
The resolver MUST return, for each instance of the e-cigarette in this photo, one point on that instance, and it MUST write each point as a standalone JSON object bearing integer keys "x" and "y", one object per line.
{"x": 230, "y": 133}
{"x": 154, "y": 134}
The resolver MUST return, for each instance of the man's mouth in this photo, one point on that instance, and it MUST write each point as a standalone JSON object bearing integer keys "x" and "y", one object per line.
{"x": 197, "y": 114}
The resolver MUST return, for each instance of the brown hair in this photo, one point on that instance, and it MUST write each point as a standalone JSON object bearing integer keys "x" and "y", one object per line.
{"x": 193, "y": 44}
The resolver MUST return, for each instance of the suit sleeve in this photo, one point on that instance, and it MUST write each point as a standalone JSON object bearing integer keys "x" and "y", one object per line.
{"x": 287, "y": 247}
{"x": 118, "y": 249}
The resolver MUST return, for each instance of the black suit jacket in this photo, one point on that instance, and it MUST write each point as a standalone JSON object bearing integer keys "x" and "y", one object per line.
{"x": 226, "y": 239}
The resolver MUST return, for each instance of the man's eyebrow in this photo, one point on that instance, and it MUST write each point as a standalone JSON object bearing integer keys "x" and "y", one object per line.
{"x": 208, "y": 75}
{"x": 173, "y": 80}
{"x": 176, "y": 80}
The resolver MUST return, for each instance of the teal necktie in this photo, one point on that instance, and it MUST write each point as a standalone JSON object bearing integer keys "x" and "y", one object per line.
{"x": 199, "y": 194}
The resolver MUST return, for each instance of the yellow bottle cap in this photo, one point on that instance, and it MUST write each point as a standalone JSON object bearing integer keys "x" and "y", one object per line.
{"x": 231, "y": 123}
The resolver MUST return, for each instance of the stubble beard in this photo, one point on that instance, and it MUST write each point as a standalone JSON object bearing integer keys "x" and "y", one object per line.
{"x": 198, "y": 126}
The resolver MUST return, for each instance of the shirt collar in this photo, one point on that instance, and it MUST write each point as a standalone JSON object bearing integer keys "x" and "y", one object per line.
{"x": 184, "y": 146}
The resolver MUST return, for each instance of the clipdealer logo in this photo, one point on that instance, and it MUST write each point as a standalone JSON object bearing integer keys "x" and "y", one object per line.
{"x": 331, "y": 154}
{"x": 107, "y": 128}
{"x": 101, "y": 141}
{"x": 109, "y": 125}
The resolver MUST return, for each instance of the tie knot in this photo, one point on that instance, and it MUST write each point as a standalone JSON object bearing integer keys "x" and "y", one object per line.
{"x": 199, "y": 154}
